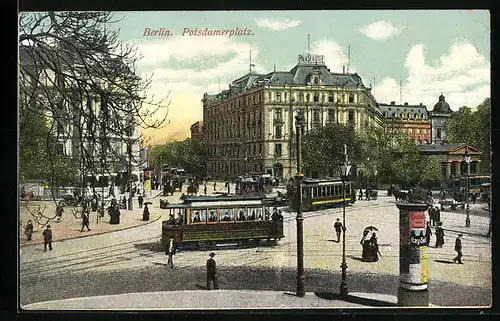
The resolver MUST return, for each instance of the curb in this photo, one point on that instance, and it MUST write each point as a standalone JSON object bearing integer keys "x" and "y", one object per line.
{"x": 468, "y": 233}
{"x": 99, "y": 233}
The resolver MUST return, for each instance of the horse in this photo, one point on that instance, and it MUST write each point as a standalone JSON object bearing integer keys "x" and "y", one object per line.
{"x": 168, "y": 189}
{"x": 400, "y": 196}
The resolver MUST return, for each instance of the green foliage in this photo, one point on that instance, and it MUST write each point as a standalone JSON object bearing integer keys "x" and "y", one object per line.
{"x": 37, "y": 159}
{"x": 413, "y": 169}
{"x": 189, "y": 154}
{"x": 323, "y": 148}
{"x": 474, "y": 128}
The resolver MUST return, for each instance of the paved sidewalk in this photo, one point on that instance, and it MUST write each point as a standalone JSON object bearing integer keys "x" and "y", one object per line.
{"x": 219, "y": 299}
{"x": 70, "y": 225}
{"x": 454, "y": 222}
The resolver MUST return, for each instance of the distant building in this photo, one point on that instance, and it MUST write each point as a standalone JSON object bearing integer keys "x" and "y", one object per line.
{"x": 438, "y": 116}
{"x": 197, "y": 130}
{"x": 410, "y": 119}
{"x": 452, "y": 158}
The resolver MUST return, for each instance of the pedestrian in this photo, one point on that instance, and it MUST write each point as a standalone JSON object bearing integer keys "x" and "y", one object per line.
{"x": 428, "y": 233}
{"x": 85, "y": 220}
{"x": 170, "y": 252}
{"x": 473, "y": 198}
{"x": 432, "y": 215}
{"x": 28, "y": 230}
{"x": 439, "y": 235}
{"x": 211, "y": 272}
{"x": 338, "y": 229}
{"x": 145, "y": 213}
{"x": 458, "y": 248}
{"x": 205, "y": 189}
{"x": 364, "y": 244}
{"x": 47, "y": 238}
{"x": 437, "y": 214}
{"x": 374, "y": 248}
{"x": 360, "y": 194}
{"x": 215, "y": 185}
{"x": 59, "y": 211}
{"x": 140, "y": 200}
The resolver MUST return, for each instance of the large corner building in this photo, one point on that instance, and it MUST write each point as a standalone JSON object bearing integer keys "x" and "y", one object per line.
{"x": 251, "y": 126}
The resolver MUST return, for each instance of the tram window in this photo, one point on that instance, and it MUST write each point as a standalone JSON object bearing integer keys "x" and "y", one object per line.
{"x": 227, "y": 214}
{"x": 198, "y": 216}
{"x": 328, "y": 191}
{"x": 305, "y": 192}
{"x": 323, "y": 191}
{"x": 242, "y": 214}
{"x": 212, "y": 217}
{"x": 267, "y": 214}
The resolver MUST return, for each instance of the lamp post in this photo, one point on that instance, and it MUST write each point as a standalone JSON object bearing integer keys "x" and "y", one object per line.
{"x": 299, "y": 126}
{"x": 467, "y": 160}
{"x": 344, "y": 173}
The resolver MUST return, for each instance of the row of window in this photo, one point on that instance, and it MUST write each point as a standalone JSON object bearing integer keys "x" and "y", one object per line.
{"x": 408, "y": 116}
{"x": 236, "y": 168}
{"x": 235, "y": 150}
{"x": 235, "y": 104}
{"x": 307, "y": 97}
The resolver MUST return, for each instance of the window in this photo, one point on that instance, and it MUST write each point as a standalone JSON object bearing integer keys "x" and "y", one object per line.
{"x": 351, "y": 98}
{"x": 351, "y": 116}
{"x": 279, "y": 114}
{"x": 316, "y": 115}
{"x": 308, "y": 97}
{"x": 277, "y": 150}
{"x": 301, "y": 97}
{"x": 59, "y": 149}
{"x": 278, "y": 132}
{"x": 316, "y": 97}
{"x": 339, "y": 98}
{"x": 316, "y": 80}
{"x": 330, "y": 98}
{"x": 438, "y": 133}
{"x": 278, "y": 97}
{"x": 331, "y": 114}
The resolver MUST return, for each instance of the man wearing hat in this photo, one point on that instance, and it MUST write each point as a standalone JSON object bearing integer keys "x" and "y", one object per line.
{"x": 47, "y": 238}
{"x": 338, "y": 229}
{"x": 458, "y": 248}
{"x": 211, "y": 272}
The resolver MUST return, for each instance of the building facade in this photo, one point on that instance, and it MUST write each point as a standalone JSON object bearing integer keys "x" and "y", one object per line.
{"x": 251, "y": 126}
{"x": 438, "y": 116}
{"x": 122, "y": 152}
{"x": 197, "y": 130}
{"x": 412, "y": 120}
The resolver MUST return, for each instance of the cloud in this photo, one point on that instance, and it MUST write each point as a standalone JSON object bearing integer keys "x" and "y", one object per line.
{"x": 462, "y": 76}
{"x": 277, "y": 24}
{"x": 380, "y": 30}
{"x": 203, "y": 61}
{"x": 335, "y": 54}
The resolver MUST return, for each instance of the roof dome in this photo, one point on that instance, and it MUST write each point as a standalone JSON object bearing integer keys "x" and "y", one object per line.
{"x": 442, "y": 106}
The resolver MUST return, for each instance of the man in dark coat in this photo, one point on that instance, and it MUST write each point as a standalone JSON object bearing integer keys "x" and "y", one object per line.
{"x": 205, "y": 189}
{"x": 428, "y": 233}
{"x": 170, "y": 252}
{"x": 85, "y": 220}
{"x": 47, "y": 238}
{"x": 338, "y": 229}
{"x": 59, "y": 211}
{"x": 432, "y": 215}
{"x": 439, "y": 235}
{"x": 28, "y": 230}
{"x": 458, "y": 248}
{"x": 211, "y": 272}
{"x": 437, "y": 214}
{"x": 140, "y": 200}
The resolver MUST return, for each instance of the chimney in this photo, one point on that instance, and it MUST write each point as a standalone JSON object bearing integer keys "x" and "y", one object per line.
{"x": 343, "y": 69}
{"x": 406, "y": 104}
{"x": 420, "y": 104}
{"x": 393, "y": 102}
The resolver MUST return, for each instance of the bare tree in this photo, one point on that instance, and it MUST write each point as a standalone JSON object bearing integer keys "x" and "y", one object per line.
{"x": 82, "y": 78}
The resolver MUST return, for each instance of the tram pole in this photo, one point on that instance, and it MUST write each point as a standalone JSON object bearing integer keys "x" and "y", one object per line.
{"x": 299, "y": 126}
{"x": 344, "y": 169}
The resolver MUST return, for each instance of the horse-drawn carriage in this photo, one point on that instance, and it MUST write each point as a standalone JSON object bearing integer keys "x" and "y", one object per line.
{"x": 457, "y": 201}
{"x": 192, "y": 189}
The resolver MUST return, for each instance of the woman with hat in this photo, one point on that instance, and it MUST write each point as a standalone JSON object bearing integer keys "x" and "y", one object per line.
{"x": 211, "y": 271}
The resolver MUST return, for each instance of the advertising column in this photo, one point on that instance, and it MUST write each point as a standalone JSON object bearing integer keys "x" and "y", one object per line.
{"x": 412, "y": 256}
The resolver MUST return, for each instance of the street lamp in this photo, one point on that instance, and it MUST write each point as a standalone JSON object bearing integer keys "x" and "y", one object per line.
{"x": 299, "y": 126}
{"x": 467, "y": 160}
{"x": 344, "y": 173}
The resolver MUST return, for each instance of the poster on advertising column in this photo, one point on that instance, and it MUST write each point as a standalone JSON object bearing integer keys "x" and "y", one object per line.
{"x": 423, "y": 264}
{"x": 147, "y": 185}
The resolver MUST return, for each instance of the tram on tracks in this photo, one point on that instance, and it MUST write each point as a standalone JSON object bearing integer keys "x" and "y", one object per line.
{"x": 202, "y": 222}
{"x": 322, "y": 193}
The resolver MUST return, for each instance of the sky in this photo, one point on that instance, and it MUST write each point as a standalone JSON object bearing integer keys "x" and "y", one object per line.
{"x": 428, "y": 52}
